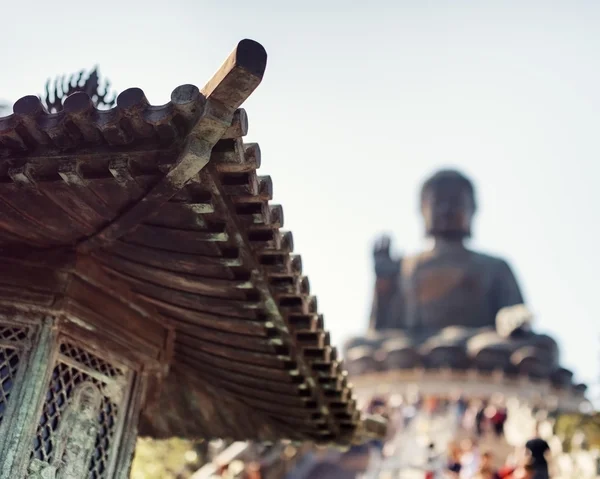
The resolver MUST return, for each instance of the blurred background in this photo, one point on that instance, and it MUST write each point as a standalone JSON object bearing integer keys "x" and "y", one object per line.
{"x": 360, "y": 103}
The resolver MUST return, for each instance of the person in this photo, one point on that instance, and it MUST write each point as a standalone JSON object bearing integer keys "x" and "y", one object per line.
{"x": 462, "y": 405}
{"x": 431, "y": 404}
{"x": 453, "y": 466}
{"x": 498, "y": 420}
{"x": 506, "y": 472}
{"x": 377, "y": 405}
{"x": 479, "y": 420}
{"x": 434, "y": 462}
{"x": 253, "y": 471}
{"x": 524, "y": 471}
{"x": 409, "y": 412}
{"x": 470, "y": 459}
{"x": 537, "y": 449}
{"x": 469, "y": 417}
{"x": 486, "y": 467}
{"x": 530, "y": 472}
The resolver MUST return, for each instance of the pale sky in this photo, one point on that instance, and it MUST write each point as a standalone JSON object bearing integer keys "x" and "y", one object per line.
{"x": 360, "y": 104}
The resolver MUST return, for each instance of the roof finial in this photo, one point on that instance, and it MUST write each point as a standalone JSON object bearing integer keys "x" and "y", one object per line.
{"x": 58, "y": 90}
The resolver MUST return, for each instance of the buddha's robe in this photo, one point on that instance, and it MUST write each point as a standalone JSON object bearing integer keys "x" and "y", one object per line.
{"x": 436, "y": 289}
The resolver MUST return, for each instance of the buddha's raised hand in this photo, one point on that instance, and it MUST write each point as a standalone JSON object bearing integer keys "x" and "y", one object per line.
{"x": 385, "y": 265}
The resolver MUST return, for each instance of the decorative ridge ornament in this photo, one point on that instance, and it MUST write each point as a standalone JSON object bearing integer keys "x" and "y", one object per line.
{"x": 58, "y": 90}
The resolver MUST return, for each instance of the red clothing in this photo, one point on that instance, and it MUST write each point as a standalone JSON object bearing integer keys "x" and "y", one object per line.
{"x": 499, "y": 417}
{"x": 505, "y": 472}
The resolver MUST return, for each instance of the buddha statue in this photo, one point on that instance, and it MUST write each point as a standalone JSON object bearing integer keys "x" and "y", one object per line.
{"x": 447, "y": 285}
{"x": 450, "y": 306}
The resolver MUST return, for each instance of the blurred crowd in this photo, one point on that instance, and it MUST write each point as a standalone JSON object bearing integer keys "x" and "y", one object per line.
{"x": 474, "y": 416}
{"x": 449, "y": 437}
{"x": 467, "y": 461}
{"x": 476, "y": 446}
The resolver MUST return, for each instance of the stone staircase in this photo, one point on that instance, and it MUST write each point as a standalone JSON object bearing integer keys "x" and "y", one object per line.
{"x": 407, "y": 458}
{"x": 407, "y": 452}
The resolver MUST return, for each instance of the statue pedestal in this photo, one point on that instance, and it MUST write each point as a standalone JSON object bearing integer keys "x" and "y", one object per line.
{"x": 69, "y": 402}
{"x": 470, "y": 383}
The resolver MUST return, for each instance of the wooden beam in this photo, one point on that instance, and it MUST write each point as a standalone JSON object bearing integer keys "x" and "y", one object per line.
{"x": 231, "y": 85}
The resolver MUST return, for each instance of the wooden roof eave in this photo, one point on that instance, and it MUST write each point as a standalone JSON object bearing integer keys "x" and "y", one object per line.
{"x": 190, "y": 231}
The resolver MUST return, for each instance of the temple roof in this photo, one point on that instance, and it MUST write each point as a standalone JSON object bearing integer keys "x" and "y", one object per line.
{"x": 160, "y": 209}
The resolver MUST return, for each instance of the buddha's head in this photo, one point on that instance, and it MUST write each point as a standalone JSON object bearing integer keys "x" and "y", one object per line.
{"x": 448, "y": 205}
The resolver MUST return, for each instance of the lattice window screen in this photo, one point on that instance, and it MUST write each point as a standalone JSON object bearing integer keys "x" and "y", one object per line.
{"x": 76, "y": 366}
{"x": 12, "y": 340}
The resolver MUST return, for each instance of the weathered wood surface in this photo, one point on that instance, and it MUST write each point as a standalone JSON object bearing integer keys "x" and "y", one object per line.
{"x": 171, "y": 230}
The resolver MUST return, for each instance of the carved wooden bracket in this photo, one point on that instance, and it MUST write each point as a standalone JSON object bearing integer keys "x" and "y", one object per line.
{"x": 215, "y": 106}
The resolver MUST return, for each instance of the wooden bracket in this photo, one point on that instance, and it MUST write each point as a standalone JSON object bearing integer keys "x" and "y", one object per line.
{"x": 215, "y": 106}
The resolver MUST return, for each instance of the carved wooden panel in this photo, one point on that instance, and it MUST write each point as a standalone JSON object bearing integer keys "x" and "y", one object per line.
{"x": 14, "y": 339}
{"x": 81, "y": 420}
